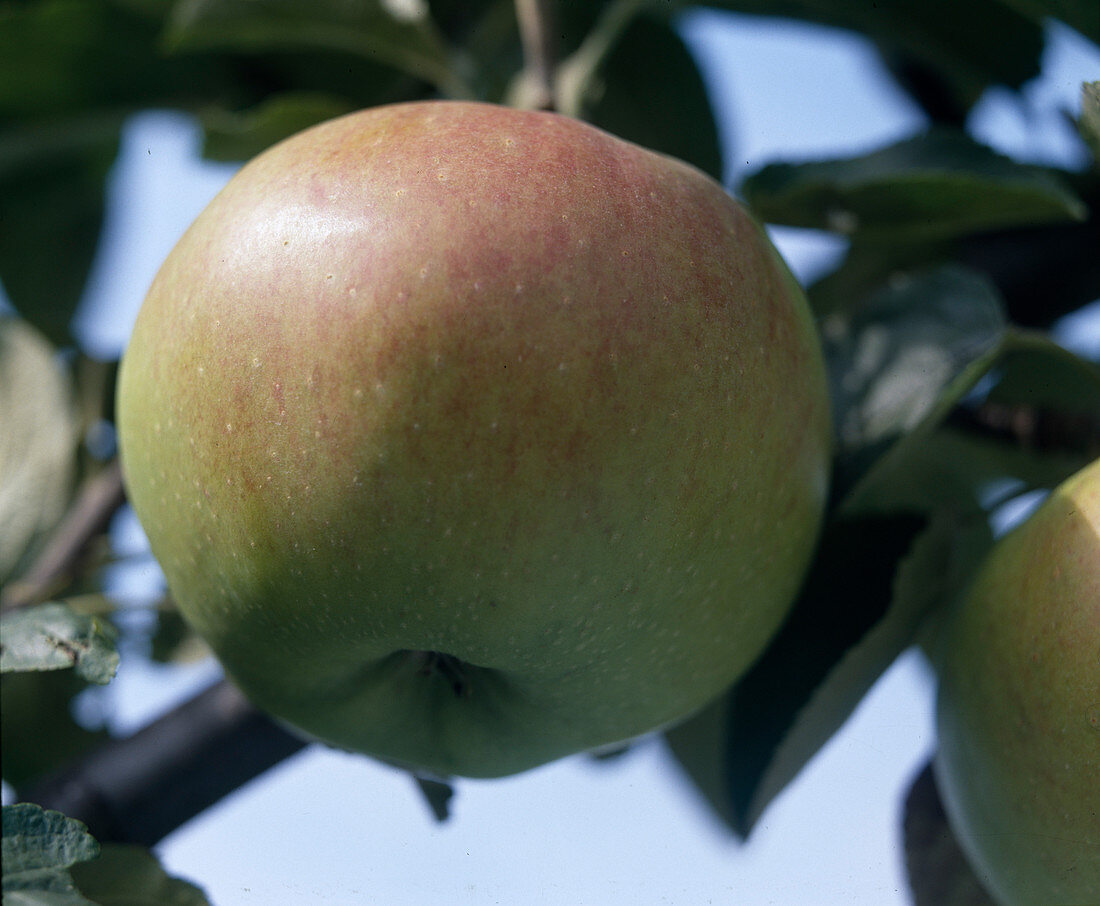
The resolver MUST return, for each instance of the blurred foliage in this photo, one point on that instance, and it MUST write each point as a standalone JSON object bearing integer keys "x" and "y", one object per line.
{"x": 37, "y": 723}
{"x": 941, "y": 397}
{"x": 126, "y": 875}
{"x": 51, "y": 860}
{"x": 39, "y": 848}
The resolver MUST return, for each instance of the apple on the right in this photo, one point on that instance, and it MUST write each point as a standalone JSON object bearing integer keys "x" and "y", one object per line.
{"x": 1018, "y": 711}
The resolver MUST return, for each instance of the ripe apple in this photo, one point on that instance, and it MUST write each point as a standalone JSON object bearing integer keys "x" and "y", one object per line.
{"x": 1019, "y": 707}
{"x": 471, "y": 437}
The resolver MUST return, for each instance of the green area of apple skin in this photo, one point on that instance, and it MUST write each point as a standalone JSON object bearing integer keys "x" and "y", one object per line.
{"x": 1019, "y": 707}
{"x": 471, "y": 438}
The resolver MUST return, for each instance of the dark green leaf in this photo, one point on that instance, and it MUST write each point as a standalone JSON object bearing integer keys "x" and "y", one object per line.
{"x": 744, "y": 749}
{"x": 71, "y": 55}
{"x": 955, "y": 468}
{"x": 1079, "y": 14}
{"x": 664, "y": 107}
{"x": 1036, "y": 372}
{"x": 125, "y": 875}
{"x": 930, "y": 466}
{"x": 37, "y": 442}
{"x": 54, "y": 637}
{"x": 408, "y": 41}
{"x": 36, "y": 721}
{"x": 39, "y": 847}
{"x": 939, "y": 874}
{"x": 232, "y": 136}
{"x": 937, "y": 185}
{"x": 52, "y": 181}
{"x": 970, "y": 46}
{"x": 890, "y": 362}
{"x": 868, "y": 267}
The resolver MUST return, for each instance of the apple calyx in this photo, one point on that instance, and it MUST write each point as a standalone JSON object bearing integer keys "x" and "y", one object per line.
{"x": 453, "y": 670}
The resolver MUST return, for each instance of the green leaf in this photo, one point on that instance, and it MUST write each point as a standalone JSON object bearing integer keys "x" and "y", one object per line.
{"x": 939, "y": 874}
{"x": 664, "y": 107}
{"x": 742, "y": 750}
{"x": 126, "y": 875}
{"x": 1089, "y": 123}
{"x": 36, "y": 723}
{"x": 929, "y": 576}
{"x": 399, "y": 34}
{"x": 890, "y": 362}
{"x": 1034, "y": 371}
{"x": 53, "y": 182}
{"x": 1077, "y": 14}
{"x": 39, "y": 847}
{"x": 233, "y": 135}
{"x": 53, "y": 637}
{"x": 937, "y": 464}
{"x": 37, "y": 442}
{"x": 934, "y": 186}
{"x": 50, "y": 49}
{"x": 970, "y": 46}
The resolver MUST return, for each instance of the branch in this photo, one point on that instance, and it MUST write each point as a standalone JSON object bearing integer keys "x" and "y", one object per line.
{"x": 97, "y": 502}
{"x": 141, "y": 788}
{"x": 1033, "y": 428}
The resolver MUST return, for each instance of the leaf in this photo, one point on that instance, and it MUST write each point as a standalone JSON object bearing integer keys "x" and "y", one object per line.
{"x": 870, "y": 267}
{"x": 49, "y": 50}
{"x": 400, "y": 34}
{"x": 890, "y": 362}
{"x": 53, "y": 182}
{"x": 234, "y": 136}
{"x": 1080, "y": 15}
{"x": 939, "y": 874}
{"x": 1034, "y": 371}
{"x": 970, "y": 46}
{"x": 37, "y": 442}
{"x": 39, "y": 847}
{"x": 38, "y": 729}
{"x": 934, "y": 186}
{"x": 1089, "y": 123}
{"x": 746, "y": 747}
{"x": 935, "y": 464}
{"x": 53, "y": 637}
{"x": 665, "y": 107}
{"x": 125, "y": 875}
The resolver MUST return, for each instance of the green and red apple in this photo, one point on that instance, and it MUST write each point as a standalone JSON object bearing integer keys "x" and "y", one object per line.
{"x": 1019, "y": 707}
{"x": 471, "y": 437}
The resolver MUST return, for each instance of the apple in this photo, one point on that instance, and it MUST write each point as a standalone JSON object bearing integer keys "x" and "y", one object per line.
{"x": 1018, "y": 708}
{"x": 472, "y": 437}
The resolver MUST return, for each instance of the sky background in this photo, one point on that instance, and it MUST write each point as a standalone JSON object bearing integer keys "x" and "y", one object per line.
{"x": 331, "y": 828}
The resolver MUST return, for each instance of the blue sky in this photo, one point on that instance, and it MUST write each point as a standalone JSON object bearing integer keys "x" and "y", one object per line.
{"x": 330, "y": 828}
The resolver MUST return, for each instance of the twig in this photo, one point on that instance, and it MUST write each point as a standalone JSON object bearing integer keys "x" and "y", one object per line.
{"x": 575, "y": 74}
{"x": 537, "y": 35}
{"x": 141, "y": 788}
{"x": 96, "y": 503}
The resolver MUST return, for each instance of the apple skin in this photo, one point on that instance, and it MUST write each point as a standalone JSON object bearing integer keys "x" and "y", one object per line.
{"x": 1018, "y": 710}
{"x": 471, "y": 438}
